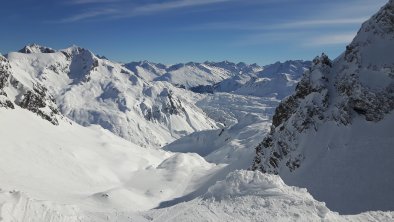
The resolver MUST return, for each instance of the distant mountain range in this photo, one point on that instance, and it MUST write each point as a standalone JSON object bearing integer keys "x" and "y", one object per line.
{"x": 146, "y": 103}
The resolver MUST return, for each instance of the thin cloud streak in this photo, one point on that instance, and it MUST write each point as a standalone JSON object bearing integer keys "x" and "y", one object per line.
{"x": 81, "y": 2}
{"x": 88, "y": 15}
{"x": 324, "y": 22}
{"x": 307, "y": 24}
{"x": 124, "y": 10}
{"x": 299, "y": 38}
{"x": 333, "y": 39}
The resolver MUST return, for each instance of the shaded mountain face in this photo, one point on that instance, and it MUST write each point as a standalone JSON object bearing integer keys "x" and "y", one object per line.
{"x": 334, "y": 134}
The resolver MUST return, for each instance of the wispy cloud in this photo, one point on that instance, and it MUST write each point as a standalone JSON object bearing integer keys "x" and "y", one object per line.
{"x": 88, "y": 15}
{"x": 328, "y": 24}
{"x": 123, "y": 9}
{"x": 80, "y": 2}
{"x": 298, "y": 38}
{"x": 333, "y": 39}
{"x": 311, "y": 23}
{"x": 279, "y": 25}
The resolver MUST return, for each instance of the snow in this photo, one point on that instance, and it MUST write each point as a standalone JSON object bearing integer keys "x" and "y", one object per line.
{"x": 73, "y": 173}
{"x": 106, "y": 170}
{"x": 90, "y": 167}
{"x": 197, "y": 74}
{"x": 253, "y": 196}
{"x": 244, "y": 119}
{"x": 334, "y": 135}
{"x": 275, "y": 80}
{"x": 342, "y": 160}
{"x": 90, "y": 90}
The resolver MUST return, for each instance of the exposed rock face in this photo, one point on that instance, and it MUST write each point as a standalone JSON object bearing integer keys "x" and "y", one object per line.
{"x": 161, "y": 111}
{"x": 4, "y": 79}
{"x": 40, "y": 102}
{"x": 295, "y": 114}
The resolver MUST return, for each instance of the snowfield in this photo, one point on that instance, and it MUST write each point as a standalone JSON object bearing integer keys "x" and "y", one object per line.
{"x": 73, "y": 164}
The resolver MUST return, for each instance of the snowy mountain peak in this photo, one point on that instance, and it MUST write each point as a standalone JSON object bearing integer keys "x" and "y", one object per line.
{"x": 336, "y": 103}
{"x": 76, "y": 50}
{"x": 382, "y": 23}
{"x": 35, "y": 48}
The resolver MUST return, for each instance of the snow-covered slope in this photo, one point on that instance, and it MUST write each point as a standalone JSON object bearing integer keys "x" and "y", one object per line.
{"x": 63, "y": 171}
{"x": 334, "y": 135}
{"x": 91, "y": 90}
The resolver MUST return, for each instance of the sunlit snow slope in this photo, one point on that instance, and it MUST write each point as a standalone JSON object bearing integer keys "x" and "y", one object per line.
{"x": 90, "y": 168}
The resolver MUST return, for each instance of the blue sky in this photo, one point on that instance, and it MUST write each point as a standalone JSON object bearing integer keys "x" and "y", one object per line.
{"x": 171, "y": 31}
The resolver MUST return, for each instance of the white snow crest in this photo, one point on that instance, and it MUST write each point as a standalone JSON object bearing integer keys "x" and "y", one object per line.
{"x": 244, "y": 183}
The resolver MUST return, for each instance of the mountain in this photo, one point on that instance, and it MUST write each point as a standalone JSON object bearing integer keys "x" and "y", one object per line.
{"x": 136, "y": 100}
{"x": 35, "y": 48}
{"x": 192, "y": 74}
{"x": 147, "y": 70}
{"x": 278, "y": 79}
{"x": 334, "y": 135}
{"x": 275, "y": 80}
{"x": 91, "y": 90}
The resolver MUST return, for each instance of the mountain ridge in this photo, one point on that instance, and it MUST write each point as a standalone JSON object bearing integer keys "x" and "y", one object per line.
{"x": 339, "y": 107}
